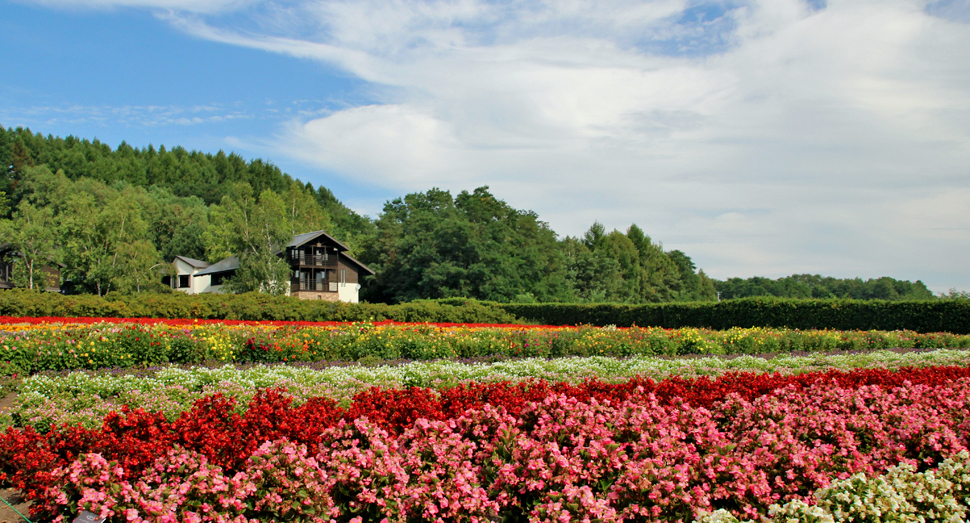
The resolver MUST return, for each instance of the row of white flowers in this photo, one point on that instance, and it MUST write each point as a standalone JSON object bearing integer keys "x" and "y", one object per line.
{"x": 85, "y": 397}
{"x": 901, "y": 495}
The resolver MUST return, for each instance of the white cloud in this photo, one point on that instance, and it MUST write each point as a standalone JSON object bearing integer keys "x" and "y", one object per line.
{"x": 190, "y": 6}
{"x": 148, "y": 116}
{"x": 765, "y": 137}
{"x": 832, "y": 140}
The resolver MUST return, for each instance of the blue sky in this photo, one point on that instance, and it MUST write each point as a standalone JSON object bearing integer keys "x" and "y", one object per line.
{"x": 123, "y": 74}
{"x": 761, "y": 137}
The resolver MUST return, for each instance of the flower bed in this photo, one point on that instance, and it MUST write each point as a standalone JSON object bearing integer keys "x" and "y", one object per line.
{"x": 615, "y": 435}
{"x": 636, "y": 451}
{"x": 45, "y": 346}
{"x": 16, "y": 321}
{"x": 86, "y": 397}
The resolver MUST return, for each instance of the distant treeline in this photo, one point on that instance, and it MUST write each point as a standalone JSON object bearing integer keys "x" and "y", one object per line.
{"x": 112, "y": 219}
{"x": 815, "y": 286}
{"x": 182, "y": 173}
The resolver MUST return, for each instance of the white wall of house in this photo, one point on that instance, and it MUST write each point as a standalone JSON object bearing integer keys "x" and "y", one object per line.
{"x": 347, "y": 292}
{"x": 195, "y": 285}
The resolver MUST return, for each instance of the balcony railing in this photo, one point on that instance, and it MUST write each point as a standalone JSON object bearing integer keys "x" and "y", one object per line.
{"x": 313, "y": 260}
{"x": 318, "y": 285}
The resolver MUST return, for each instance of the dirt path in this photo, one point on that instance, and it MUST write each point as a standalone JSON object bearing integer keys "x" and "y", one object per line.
{"x": 6, "y": 404}
{"x": 10, "y": 495}
{"x": 13, "y": 497}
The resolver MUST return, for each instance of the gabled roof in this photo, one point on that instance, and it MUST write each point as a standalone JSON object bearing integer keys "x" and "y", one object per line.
{"x": 357, "y": 263}
{"x": 229, "y": 264}
{"x": 198, "y": 264}
{"x": 307, "y": 237}
{"x": 232, "y": 263}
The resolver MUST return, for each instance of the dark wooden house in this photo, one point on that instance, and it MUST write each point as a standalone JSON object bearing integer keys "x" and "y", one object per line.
{"x": 320, "y": 269}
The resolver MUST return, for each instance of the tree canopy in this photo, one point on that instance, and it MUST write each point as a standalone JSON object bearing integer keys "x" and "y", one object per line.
{"x": 816, "y": 286}
{"x": 111, "y": 219}
{"x": 430, "y": 245}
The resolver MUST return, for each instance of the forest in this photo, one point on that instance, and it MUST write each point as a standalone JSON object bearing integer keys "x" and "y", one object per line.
{"x": 112, "y": 220}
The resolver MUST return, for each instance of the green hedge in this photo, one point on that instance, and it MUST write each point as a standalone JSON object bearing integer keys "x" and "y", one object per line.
{"x": 921, "y": 316}
{"x": 251, "y": 306}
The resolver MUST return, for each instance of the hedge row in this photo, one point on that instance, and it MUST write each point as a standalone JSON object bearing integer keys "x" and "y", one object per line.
{"x": 921, "y": 316}
{"x": 250, "y": 306}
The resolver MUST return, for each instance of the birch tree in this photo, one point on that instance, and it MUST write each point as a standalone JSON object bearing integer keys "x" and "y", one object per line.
{"x": 256, "y": 230}
{"x": 31, "y": 234}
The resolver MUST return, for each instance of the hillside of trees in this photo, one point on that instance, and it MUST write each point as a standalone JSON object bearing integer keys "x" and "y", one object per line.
{"x": 113, "y": 219}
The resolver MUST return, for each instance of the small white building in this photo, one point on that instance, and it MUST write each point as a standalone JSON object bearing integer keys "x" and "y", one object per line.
{"x": 215, "y": 275}
{"x": 185, "y": 270}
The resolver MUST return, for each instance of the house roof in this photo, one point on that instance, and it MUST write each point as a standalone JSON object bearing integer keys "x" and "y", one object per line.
{"x": 306, "y": 237}
{"x": 357, "y": 263}
{"x": 232, "y": 263}
{"x": 198, "y": 264}
{"x": 229, "y": 264}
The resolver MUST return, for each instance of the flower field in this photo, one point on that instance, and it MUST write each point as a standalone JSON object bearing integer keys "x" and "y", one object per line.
{"x": 85, "y": 397}
{"x": 638, "y": 425}
{"x": 637, "y": 450}
{"x": 72, "y": 343}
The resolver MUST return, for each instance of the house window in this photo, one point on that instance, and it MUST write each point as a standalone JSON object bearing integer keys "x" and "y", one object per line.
{"x": 343, "y": 277}
{"x": 167, "y": 281}
{"x": 218, "y": 279}
{"x": 184, "y": 281}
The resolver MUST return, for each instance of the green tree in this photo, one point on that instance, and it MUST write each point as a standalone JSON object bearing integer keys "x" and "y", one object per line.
{"x": 955, "y": 294}
{"x": 177, "y": 224}
{"x": 619, "y": 247}
{"x": 256, "y": 230}
{"x": 816, "y": 286}
{"x": 32, "y": 235}
{"x": 99, "y": 224}
{"x": 303, "y": 212}
{"x": 430, "y": 245}
{"x": 21, "y": 158}
{"x": 594, "y": 277}
{"x": 139, "y": 263}
{"x": 694, "y": 286}
{"x": 659, "y": 276}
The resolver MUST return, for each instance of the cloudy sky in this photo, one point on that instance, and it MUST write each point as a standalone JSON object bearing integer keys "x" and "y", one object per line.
{"x": 760, "y": 137}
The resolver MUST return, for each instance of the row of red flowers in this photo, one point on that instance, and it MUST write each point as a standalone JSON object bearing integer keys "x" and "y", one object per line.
{"x": 629, "y": 456}
{"x": 213, "y": 427}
